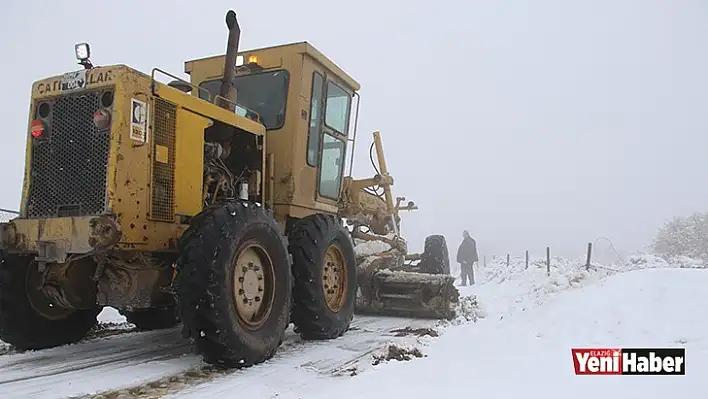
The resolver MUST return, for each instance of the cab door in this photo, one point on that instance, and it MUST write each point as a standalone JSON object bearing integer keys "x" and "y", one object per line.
{"x": 327, "y": 141}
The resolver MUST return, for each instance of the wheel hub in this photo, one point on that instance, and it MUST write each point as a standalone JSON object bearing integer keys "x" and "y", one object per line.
{"x": 334, "y": 278}
{"x": 252, "y": 272}
{"x": 250, "y": 284}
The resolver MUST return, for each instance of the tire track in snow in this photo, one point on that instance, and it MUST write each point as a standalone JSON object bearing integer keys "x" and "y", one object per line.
{"x": 331, "y": 358}
{"x": 106, "y": 363}
{"x": 101, "y": 330}
{"x": 296, "y": 372}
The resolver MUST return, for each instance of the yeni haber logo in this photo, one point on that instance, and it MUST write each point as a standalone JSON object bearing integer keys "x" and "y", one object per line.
{"x": 629, "y": 361}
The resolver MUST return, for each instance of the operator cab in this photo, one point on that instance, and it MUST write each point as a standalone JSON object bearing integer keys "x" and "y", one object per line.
{"x": 261, "y": 95}
{"x": 305, "y": 102}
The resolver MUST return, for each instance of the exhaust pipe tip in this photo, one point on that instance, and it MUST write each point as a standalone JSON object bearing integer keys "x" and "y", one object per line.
{"x": 231, "y": 20}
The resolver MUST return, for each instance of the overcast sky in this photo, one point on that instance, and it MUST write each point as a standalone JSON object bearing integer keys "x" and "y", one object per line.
{"x": 530, "y": 123}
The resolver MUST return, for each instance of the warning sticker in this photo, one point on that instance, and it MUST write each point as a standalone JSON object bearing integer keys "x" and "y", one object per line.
{"x": 138, "y": 121}
{"x": 73, "y": 80}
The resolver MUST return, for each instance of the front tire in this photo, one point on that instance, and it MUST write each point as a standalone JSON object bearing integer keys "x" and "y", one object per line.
{"x": 234, "y": 284}
{"x": 324, "y": 267}
{"x": 22, "y": 324}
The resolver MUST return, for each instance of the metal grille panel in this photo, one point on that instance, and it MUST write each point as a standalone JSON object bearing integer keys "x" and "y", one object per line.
{"x": 69, "y": 166}
{"x": 163, "y": 187}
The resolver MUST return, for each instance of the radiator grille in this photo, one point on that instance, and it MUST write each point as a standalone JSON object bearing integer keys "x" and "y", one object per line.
{"x": 69, "y": 166}
{"x": 163, "y": 158}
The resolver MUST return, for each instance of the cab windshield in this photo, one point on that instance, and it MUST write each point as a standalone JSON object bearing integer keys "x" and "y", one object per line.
{"x": 264, "y": 93}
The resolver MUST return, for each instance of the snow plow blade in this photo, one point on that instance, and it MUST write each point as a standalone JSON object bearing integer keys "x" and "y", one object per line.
{"x": 387, "y": 288}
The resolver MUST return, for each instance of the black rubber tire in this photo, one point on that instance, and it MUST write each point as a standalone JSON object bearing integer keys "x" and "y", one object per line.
{"x": 204, "y": 284}
{"x": 436, "y": 258}
{"x": 152, "y": 319}
{"x": 22, "y": 326}
{"x": 309, "y": 240}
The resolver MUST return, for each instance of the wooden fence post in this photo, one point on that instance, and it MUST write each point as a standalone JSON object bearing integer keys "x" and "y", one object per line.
{"x": 507, "y": 261}
{"x": 485, "y": 261}
{"x": 587, "y": 263}
{"x": 548, "y": 261}
{"x": 527, "y": 260}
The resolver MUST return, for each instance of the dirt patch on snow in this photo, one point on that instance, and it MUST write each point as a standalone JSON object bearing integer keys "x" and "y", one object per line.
{"x": 5, "y": 348}
{"x": 468, "y": 309}
{"x": 165, "y": 386}
{"x": 108, "y": 329}
{"x": 419, "y": 332}
{"x": 396, "y": 352}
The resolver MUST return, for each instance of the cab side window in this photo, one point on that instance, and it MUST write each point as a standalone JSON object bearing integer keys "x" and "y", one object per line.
{"x": 315, "y": 127}
{"x": 337, "y": 108}
{"x": 336, "y": 119}
{"x": 331, "y": 167}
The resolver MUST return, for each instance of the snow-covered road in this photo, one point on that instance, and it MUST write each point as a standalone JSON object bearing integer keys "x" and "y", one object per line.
{"x": 135, "y": 359}
{"x": 100, "y": 364}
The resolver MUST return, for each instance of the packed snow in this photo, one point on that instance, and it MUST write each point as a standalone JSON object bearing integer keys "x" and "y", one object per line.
{"x": 516, "y": 324}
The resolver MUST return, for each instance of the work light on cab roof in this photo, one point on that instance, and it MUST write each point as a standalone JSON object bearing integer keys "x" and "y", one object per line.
{"x": 83, "y": 53}
{"x": 250, "y": 66}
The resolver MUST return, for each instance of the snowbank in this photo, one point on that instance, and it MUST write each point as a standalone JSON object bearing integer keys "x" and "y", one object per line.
{"x": 529, "y": 355}
{"x": 502, "y": 290}
{"x": 648, "y": 261}
{"x": 367, "y": 248}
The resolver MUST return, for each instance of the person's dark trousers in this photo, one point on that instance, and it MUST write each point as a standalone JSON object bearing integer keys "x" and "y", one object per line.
{"x": 467, "y": 273}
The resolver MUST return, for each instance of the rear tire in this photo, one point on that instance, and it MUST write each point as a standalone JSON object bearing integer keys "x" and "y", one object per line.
{"x": 234, "y": 268}
{"x": 152, "y": 319}
{"x": 436, "y": 258}
{"x": 324, "y": 268}
{"x": 21, "y": 325}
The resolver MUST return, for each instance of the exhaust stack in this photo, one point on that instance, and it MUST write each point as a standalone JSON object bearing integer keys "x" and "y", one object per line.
{"x": 227, "y": 92}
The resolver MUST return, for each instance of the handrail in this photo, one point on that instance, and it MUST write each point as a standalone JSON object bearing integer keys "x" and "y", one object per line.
{"x": 152, "y": 82}
{"x": 200, "y": 90}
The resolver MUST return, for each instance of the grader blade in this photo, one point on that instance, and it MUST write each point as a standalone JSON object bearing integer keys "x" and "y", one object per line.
{"x": 386, "y": 289}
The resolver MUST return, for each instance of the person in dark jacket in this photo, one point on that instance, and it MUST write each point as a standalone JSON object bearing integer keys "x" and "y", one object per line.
{"x": 467, "y": 256}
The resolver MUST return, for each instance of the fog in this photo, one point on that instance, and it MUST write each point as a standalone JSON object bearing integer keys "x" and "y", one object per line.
{"x": 537, "y": 123}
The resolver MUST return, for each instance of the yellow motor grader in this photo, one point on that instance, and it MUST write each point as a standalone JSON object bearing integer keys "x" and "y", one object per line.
{"x": 221, "y": 202}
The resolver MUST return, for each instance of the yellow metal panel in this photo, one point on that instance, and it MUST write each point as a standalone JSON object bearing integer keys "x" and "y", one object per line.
{"x": 72, "y": 234}
{"x": 28, "y": 157}
{"x": 130, "y": 163}
{"x": 199, "y": 106}
{"x": 284, "y": 51}
{"x": 189, "y": 162}
{"x": 162, "y": 154}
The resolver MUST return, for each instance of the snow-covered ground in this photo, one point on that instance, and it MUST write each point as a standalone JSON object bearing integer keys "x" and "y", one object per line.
{"x": 527, "y": 353}
{"x": 519, "y": 345}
